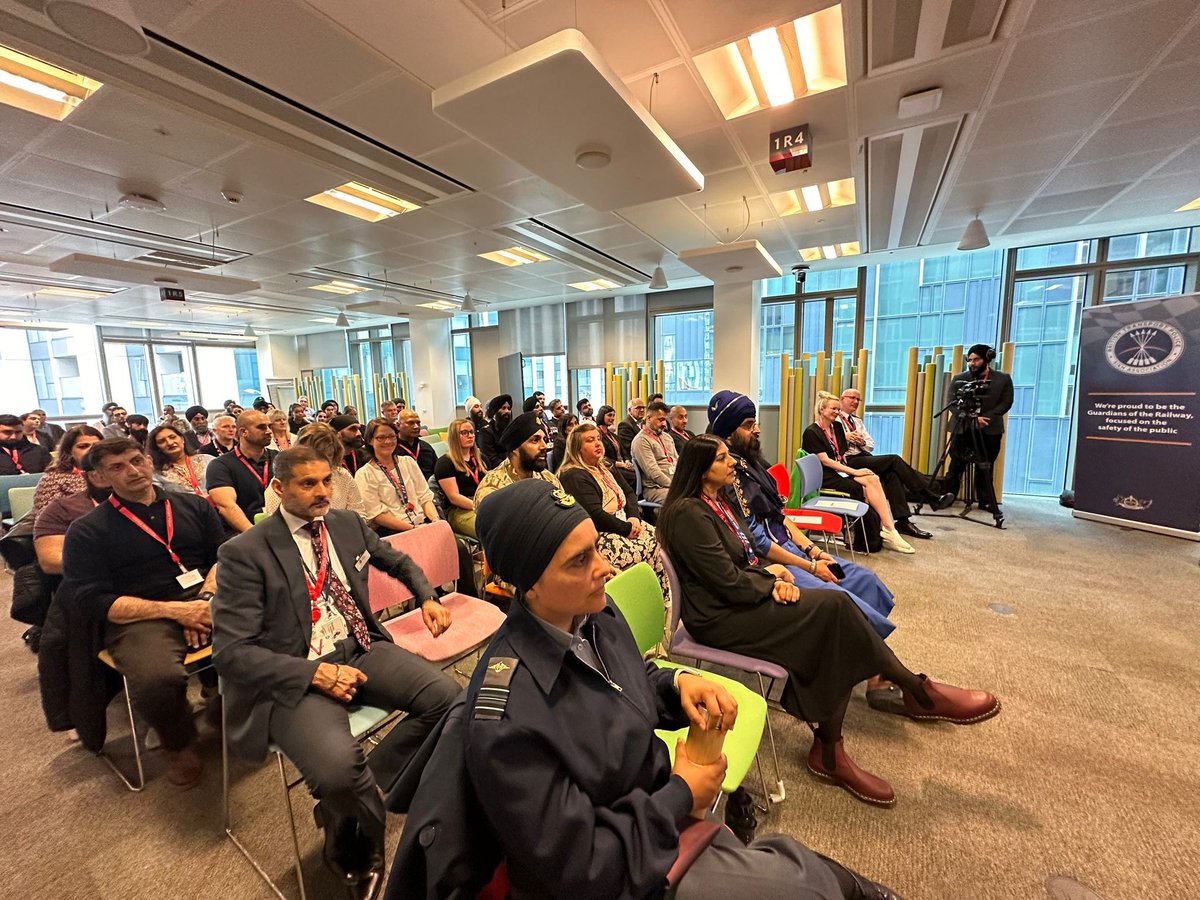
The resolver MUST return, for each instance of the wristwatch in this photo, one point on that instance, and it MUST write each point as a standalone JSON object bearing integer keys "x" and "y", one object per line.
{"x": 205, "y": 595}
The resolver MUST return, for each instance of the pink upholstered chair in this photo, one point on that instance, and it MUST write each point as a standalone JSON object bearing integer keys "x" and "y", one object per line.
{"x": 433, "y": 548}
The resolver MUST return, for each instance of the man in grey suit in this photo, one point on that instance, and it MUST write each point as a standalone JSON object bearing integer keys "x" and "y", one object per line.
{"x": 295, "y": 642}
{"x": 654, "y": 453}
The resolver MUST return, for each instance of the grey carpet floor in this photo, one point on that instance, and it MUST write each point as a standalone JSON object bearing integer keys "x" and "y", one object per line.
{"x": 1089, "y": 771}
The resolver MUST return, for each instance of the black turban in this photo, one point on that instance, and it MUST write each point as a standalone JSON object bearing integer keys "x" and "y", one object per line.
{"x": 727, "y": 410}
{"x": 519, "y": 430}
{"x": 982, "y": 351}
{"x": 337, "y": 423}
{"x": 495, "y": 403}
{"x": 530, "y": 403}
{"x": 521, "y": 527}
{"x": 194, "y": 411}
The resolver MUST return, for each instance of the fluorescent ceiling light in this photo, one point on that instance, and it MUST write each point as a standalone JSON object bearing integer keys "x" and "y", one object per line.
{"x": 440, "y": 304}
{"x": 212, "y": 335}
{"x": 515, "y": 256}
{"x": 814, "y": 197}
{"x": 343, "y": 288}
{"x": 777, "y": 65}
{"x": 325, "y": 320}
{"x": 74, "y": 293}
{"x": 362, "y": 202}
{"x": 40, "y": 88}
{"x": 1187, "y": 207}
{"x": 830, "y": 251}
{"x": 598, "y": 284}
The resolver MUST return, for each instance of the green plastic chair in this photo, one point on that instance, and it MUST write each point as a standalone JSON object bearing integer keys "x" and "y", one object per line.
{"x": 638, "y": 595}
{"x": 20, "y": 501}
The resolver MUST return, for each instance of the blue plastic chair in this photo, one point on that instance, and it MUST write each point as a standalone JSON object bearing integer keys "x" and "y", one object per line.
{"x": 835, "y": 502}
{"x": 637, "y": 489}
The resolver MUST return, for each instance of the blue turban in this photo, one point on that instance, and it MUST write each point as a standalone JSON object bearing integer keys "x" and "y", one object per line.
{"x": 727, "y": 410}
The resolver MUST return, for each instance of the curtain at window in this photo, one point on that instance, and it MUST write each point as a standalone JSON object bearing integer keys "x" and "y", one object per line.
{"x": 606, "y": 329}
{"x": 533, "y": 330}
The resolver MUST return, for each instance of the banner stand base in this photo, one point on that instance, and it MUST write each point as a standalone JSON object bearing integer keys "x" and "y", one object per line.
{"x": 1141, "y": 526}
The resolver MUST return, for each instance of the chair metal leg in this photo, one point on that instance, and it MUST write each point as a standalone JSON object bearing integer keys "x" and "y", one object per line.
{"x": 781, "y": 795}
{"x": 291, "y": 823}
{"x": 287, "y": 802}
{"x": 137, "y": 747}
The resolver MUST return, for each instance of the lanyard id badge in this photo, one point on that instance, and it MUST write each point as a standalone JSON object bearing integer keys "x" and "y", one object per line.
{"x": 187, "y": 578}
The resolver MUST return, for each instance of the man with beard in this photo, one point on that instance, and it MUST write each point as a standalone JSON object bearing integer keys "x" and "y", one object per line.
{"x": 677, "y": 418}
{"x": 409, "y": 442}
{"x": 731, "y": 417}
{"x": 557, "y": 411}
{"x": 499, "y": 414}
{"x": 105, "y": 416}
{"x": 18, "y": 454}
{"x": 524, "y": 446}
{"x": 349, "y": 430}
{"x": 995, "y": 396}
{"x": 584, "y": 409}
{"x": 199, "y": 435}
{"x": 116, "y": 427}
{"x": 859, "y": 445}
{"x": 474, "y": 410}
{"x": 654, "y": 453}
{"x": 631, "y": 425}
{"x": 237, "y": 481}
{"x": 139, "y": 429}
{"x": 536, "y": 405}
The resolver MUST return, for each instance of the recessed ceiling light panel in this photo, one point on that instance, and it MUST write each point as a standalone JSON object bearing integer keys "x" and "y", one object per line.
{"x": 830, "y": 251}
{"x": 596, "y": 284}
{"x": 814, "y": 197}
{"x": 777, "y": 65}
{"x": 362, "y": 202}
{"x": 515, "y": 256}
{"x": 344, "y": 288}
{"x": 41, "y": 88}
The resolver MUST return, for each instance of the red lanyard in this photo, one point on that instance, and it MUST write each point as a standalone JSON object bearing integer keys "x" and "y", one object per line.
{"x": 409, "y": 452}
{"x": 829, "y": 436}
{"x": 15, "y": 456}
{"x": 398, "y": 485}
{"x": 612, "y": 441}
{"x": 611, "y": 485}
{"x": 317, "y": 587}
{"x": 112, "y": 498}
{"x": 472, "y": 465}
{"x": 682, "y": 434}
{"x": 191, "y": 474}
{"x": 265, "y": 478}
{"x": 661, "y": 444}
{"x": 848, "y": 422}
{"x": 726, "y": 516}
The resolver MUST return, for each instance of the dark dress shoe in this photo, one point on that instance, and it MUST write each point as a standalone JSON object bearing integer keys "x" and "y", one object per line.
{"x": 950, "y": 704}
{"x": 739, "y": 815}
{"x": 368, "y": 885}
{"x": 847, "y": 774}
{"x": 941, "y": 501}
{"x": 906, "y": 526}
{"x": 344, "y": 850}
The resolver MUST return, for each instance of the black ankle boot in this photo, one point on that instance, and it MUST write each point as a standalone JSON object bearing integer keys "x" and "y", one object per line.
{"x": 739, "y": 815}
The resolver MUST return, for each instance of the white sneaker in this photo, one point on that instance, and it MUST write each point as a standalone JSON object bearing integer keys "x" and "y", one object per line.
{"x": 893, "y": 540}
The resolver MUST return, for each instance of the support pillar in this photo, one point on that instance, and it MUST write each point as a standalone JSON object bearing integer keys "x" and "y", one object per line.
{"x": 433, "y": 373}
{"x": 737, "y": 314}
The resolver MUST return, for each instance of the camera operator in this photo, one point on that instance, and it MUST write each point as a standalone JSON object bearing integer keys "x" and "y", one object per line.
{"x": 991, "y": 397}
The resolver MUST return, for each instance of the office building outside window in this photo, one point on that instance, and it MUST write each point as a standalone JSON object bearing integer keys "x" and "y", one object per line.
{"x": 684, "y": 343}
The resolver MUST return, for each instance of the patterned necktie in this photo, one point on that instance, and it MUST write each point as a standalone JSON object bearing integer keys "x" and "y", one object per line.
{"x": 341, "y": 597}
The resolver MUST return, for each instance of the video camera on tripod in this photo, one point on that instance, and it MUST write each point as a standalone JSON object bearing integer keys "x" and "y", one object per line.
{"x": 966, "y": 400}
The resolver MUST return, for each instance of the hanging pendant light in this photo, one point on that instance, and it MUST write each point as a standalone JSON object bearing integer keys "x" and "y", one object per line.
{"x": 974, "y": 236}
{"x": 659, "y": 281}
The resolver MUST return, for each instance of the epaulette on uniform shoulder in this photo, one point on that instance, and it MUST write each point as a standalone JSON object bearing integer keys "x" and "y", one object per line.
{"x": 493, "y": 694}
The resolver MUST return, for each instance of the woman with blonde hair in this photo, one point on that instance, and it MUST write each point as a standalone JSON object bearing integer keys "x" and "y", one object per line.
{"x": 625, "y": 540}
{"x": 325, "y": 441}
{"x": 826, "y": 439}
{"x": 459, "y": 472}
{"x": 281, "y": 437}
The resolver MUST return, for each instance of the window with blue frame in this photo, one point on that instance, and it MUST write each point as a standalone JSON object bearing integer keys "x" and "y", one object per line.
{"x": 684, "y": 343}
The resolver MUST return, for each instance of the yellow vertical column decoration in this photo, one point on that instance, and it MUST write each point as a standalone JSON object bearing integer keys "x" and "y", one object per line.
{"x": 910, "y": 404}
{"x": 820, "y": 382}
{"x": 785, "y": 399}
{"x": 928, "y": 409}
{"x": 860, "y": 378}
{"x": 835, "y": 384}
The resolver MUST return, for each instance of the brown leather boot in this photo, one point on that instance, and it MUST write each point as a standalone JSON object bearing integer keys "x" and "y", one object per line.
{"x": 184, "y": 767}
{"x": 847, "y": 774}
{"x": 951, "y": 704}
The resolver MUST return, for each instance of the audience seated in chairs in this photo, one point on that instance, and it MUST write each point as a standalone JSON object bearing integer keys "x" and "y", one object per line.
{"x": 31, "y": 425}
{"x": 735, "y": 601}
{"x": 625, "y": 540}
{"x": 396, "y": 495}
{"x": 345, "y": 493}
{"x": 198, "y": 435}
{"x": 350, "y": 433}
{"x": 177, "y": 470}
{"x": 237, "y": 481}
{"x": 523, "y": 446}
{"x": 631, "y": 425}
{"x": 458, "y": 473}
{"x": 654, "y": 454}
{"x": 614, "y": 452}
{"x": 139, "y": 429}
{"x": 281, "y": 435}
{"x": 295, "y": 643}
{"x": 409, "y": 442}
{"x": 117, "y": 423}
{"x": 65, "y": 476}
{"x": 826, "y": 440}
{"x": 224, "y": 432}
{"x": 585, "y": 804}
{"x": 18, "y": 454}
{"x": 677, "y": 420}
{"x": 558, "y": 452}
{"x": 499, "y": 415}
{"x": 50, "y": 429}
{"x": 775, "y": 538}
{"x": 143, "y": 563}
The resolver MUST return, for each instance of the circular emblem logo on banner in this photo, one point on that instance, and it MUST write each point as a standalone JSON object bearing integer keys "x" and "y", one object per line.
{"x": 1144, "y": 348}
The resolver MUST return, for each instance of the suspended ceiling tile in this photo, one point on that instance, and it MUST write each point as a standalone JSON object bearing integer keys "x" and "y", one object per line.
{"x": 396, "y": 112}
{"x": 1108, "y": 171}
{"x": 105, "y": 155}
{"x": 710, "y": 150}
{"x": 840, "y": 219}
{"x": 669, "y": 222}
{"x": 1168, "y": 90}
{"x": 1042, "y": 223}
{"x": 302, "y": 55}
{"x": 626, "y": 32}
{"x": 1174, "y": 191}
{"x": 479, "y": 211}
{"x": 19, "y": 128}
{"x": 1053, "y": 14}
{"x": 1071, "y": 112}
{"x": 984, "y": 194}
{"x": 679, "y": 103}
{"x": 985, "y": 162}
{"x": 579, "y": 218}
{"x": 1167, "y": 132}
{"x": 1187, "y": 162}
{"x": 21, "y": 192}
{"x": 423, "y": 224}
{"x": 275, "y": 171}
{"x": 534, "y": 196}
{"x": 1091, "y": 50}
{"x": 1080, "y": 201}
{"x": 608, "y": 238}
{"x": 725, "y": 187}
{"x": 474, "y": 164}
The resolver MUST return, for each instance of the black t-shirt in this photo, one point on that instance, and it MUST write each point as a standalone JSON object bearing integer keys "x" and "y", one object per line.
{"x": 106, "y": 556}
{"x": 814, "y": 440}
{"x": 355, "y": 460}
{"x": 422, "y": 452}
{"x": 244, "y": 475}
{"x": 444, "y": 468}
{"x": 25, "y": 457}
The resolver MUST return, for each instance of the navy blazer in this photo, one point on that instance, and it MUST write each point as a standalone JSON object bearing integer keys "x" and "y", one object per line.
{"x": 262, "y": 616}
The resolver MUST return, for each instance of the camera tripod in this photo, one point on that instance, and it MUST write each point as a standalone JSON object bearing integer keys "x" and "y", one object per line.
{"x": 963, "y": 425}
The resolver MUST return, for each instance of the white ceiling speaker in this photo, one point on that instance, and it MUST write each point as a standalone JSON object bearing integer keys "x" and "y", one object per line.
{"x": 974, "y": 236}
{"x": 106, "y": 25}
{"x": 468, "y": 303}
{"x": 659, "y": 281}
{"x": 342, "y": 321}
{"x": 142, "y": 202}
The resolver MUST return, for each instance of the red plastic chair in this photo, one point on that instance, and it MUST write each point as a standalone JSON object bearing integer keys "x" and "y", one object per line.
{"x": 821, "y": 522}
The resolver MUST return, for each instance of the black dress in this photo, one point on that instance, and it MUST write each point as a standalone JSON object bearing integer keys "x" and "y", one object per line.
{"x": 814, "y": 441}
{"x": 823, "y": 640}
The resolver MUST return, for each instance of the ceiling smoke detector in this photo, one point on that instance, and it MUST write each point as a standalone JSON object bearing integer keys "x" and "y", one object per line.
{"x": 142, "y": 202}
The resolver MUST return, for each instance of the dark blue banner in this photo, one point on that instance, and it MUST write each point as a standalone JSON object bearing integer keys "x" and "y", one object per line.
{"x": 1137, "y": 460}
